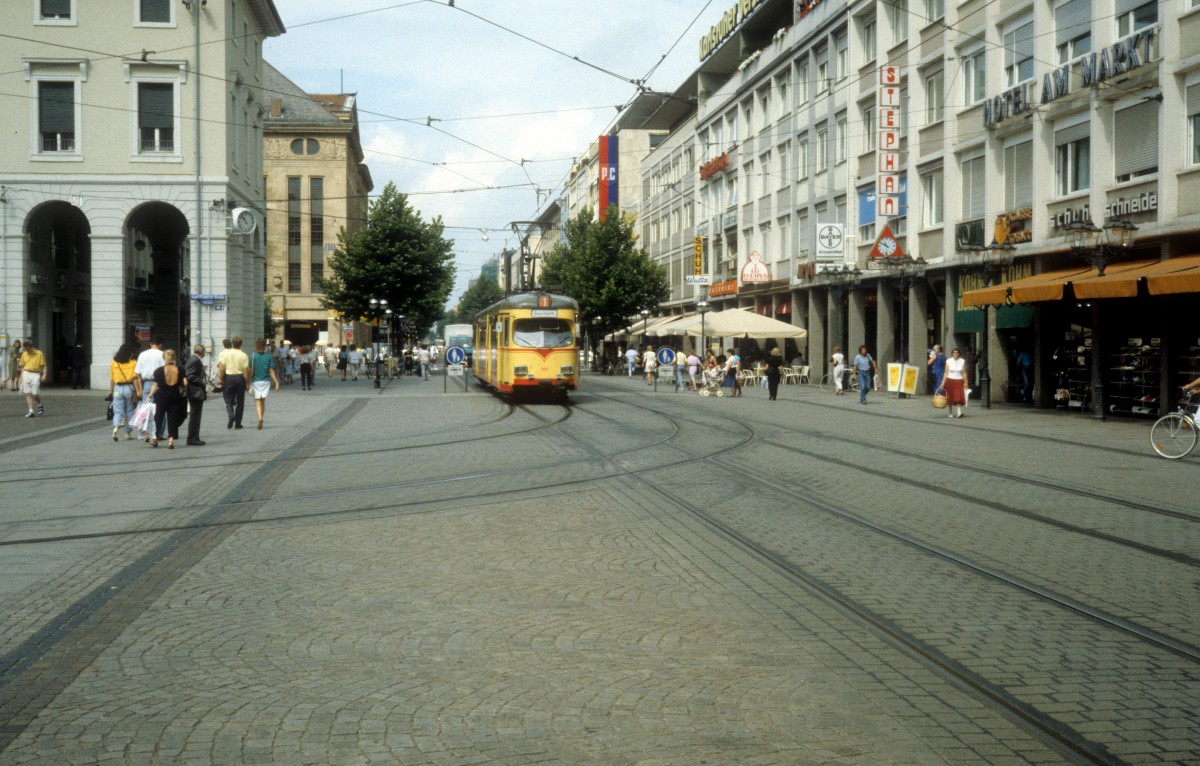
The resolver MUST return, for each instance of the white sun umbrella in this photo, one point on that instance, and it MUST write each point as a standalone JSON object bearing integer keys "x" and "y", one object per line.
{"x": 674, "y": 325}
{"x": 733, "y": 323}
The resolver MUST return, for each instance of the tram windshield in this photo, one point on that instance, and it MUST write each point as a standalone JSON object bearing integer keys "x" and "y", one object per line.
{"x": 542, "y": 333}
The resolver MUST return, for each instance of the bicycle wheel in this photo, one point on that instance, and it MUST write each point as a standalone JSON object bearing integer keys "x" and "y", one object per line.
{"x": 826, "y": 383}
{"x": 1173, "y": 436}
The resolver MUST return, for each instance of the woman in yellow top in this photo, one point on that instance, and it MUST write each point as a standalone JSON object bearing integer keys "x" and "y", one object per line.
{"x": 124, "y": 387}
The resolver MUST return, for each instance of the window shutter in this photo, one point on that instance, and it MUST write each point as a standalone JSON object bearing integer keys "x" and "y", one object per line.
{"x": 1073, "y": 133}
{"x": 156, "y": 105}
{"x": 156, "y": 11}
{"x": 1193, "y": 99}
{"x": 972, "y": 188}
{"x": 56, "y": 107}
{"x": 1018, "y": 176}
{"x": 56, "y": 9}
{"x": 1072, "y": 19}
{"x": 1137, "y": 138}
{"x": 1018, "y": 44}
{"x": 1123, "y": 7}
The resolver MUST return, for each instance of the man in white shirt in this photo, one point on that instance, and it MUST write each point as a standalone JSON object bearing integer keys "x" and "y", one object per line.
{"x": 631, "y": 356}
{"x": 147, "y": 362}
{"x": 424, "y": 357}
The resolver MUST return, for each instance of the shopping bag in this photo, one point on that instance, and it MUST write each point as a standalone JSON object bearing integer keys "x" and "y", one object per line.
{"x": 143, "y": 416}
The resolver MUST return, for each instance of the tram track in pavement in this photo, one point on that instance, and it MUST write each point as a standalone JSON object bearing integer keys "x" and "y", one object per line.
{"x": 388, "y": 507}
{"x": 1181, "y": 648}
{"x": 256, "y": 457}
{"x": 1053, "y": 731}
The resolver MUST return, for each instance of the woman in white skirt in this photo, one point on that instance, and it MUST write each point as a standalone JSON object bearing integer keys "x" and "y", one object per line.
{"x": 262, "y": 368}
{"x": 839, "y": 369}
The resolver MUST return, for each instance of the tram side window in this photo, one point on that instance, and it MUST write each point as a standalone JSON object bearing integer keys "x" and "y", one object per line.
{"x": 542, "y": 333}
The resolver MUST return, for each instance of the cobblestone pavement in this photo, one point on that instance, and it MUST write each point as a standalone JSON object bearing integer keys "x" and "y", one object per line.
{"x": 415, "y": 577}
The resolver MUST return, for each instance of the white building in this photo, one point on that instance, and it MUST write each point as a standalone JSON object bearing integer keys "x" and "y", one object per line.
{"x": 121, "y": 170}
{"x": 1014, "y": 119}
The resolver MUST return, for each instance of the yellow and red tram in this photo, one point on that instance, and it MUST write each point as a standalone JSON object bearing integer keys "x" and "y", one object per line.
{"x": 527, "y": 343}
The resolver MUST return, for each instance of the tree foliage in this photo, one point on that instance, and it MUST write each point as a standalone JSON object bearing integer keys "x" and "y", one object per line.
{"x": 601, "y": 267}
{"x": 396, "y": 256}
{"x": 482, "y": 293}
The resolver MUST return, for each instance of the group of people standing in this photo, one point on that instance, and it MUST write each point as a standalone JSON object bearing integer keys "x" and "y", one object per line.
{"x": 178, "y": 391}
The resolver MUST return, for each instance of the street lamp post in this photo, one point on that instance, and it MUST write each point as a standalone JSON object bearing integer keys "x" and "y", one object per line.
{"x": 379, "y": 306}
{"x": 905, "y": 271}
{"x": 994, "y": 259}
{"x": 702, "y": 309}
{"x": 1100, "y": 247}
{"x": 845, "y": 279}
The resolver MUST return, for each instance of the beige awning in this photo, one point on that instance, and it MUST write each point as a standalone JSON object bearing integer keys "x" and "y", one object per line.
{"x": 1120, "y": 280}
{"x": 1178, "y": 275}
{"x": 1048, "y": 286}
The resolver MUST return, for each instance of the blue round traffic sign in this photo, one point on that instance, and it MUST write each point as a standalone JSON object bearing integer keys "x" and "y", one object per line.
{"x": 455, "y": 355}
{"x": 666, "y": 356}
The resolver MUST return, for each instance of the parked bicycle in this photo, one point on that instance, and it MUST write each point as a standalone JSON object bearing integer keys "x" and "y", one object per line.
{"x": 849, "y": 381}
{"x": 1174, "y": 435}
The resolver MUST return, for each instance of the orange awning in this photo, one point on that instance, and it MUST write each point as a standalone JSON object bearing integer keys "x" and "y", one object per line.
{"x": 1178, "y": 275}
{"x": 1120, "y": 280}
{"x": 1048, "y": 286}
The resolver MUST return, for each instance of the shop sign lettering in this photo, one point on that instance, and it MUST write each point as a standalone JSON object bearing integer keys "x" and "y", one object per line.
{"x": 729, "y": 21}
{"x": 714, "y": 166}
{"x": 728, "y": 287}
{"x": 1123, "y": 56}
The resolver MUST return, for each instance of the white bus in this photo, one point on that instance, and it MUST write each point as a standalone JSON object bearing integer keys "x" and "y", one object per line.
{"x": 463, "y": 336}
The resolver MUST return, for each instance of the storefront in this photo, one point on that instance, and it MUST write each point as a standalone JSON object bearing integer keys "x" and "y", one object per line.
{"x": 1104, "y": 344}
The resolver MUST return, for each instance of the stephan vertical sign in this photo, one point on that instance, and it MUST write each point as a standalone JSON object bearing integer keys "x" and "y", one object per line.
{"x": 609, "y": 153}
{"x": 887, "y": 178}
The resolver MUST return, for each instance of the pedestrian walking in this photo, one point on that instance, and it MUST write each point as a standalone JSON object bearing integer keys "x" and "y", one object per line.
{"x": 680, "y": 364}
{"x": 147, "y": 362}
{"x": 233, "y": 367}
{"x": 13, "y": 379}
{"x": 839, "y": 370}
{"x": 197, "y": 393}
{"x": 649, "y": 363}
{"x": 937, "y": 366}
{"x": 774, "y": 372}
{"x": 354, "y": 360}
{"x": 331, "y": 356}
{"x": 77, "y": 363}
{"x": 308, "y": 361}
{"x": 864, "y": 365}
{"x": 631, "y": 356}
{"x": 32, "y": 365}
{"x": 124, "y": 389}
{"x": 733, "y": 366}
{"x": 693, "y": 366}
{"x": 262, "y": 377}
{"x": 423, "y": 358}
{"x": 343, "y": 361}
{"x": 954, "y": 383}
{"x": 167, "y": 393}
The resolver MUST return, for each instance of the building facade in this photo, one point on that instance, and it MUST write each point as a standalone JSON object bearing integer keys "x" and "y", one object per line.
{"x": 1010, "y": 125}
{"x": 131, "y": 186}
{"x": 316, "y": 186}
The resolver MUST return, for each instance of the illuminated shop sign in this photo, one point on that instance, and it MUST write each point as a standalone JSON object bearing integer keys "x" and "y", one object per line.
{"x": 1146, "y": 202}
{"x": 729, "y": 22}
{"x": 1123, "y": 56}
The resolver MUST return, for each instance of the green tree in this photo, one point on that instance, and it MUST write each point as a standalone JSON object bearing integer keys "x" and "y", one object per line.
{"x": 271, "y": 325}
{"x": 396, "y": 256}
{"x": 601, "y": 267}
{"x": 482, "y": 293}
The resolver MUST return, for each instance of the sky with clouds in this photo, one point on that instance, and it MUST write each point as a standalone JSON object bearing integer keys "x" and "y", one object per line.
{"x": 471, "y": 109}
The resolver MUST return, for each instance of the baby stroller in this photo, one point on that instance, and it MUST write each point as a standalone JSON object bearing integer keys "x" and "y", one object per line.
{"x": 711, "y": 383}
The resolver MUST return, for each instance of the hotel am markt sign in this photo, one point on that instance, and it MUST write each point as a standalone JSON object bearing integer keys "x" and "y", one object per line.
{"x": 1123, "y": 56}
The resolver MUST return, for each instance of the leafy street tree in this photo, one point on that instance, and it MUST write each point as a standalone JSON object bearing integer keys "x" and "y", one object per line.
{"x": 396, "y": 256}
{"x": 601, "y": 267}
{"x": 482, "y": 293}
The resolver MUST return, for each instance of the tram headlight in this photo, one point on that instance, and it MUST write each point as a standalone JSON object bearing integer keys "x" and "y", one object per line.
{"x": 567, "y": 369}
{"x": 521, "y": 370}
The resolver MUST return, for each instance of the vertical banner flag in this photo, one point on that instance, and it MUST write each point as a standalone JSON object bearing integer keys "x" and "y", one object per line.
{"x": 698, "y": 256}
{"x": 608, "y": 174}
